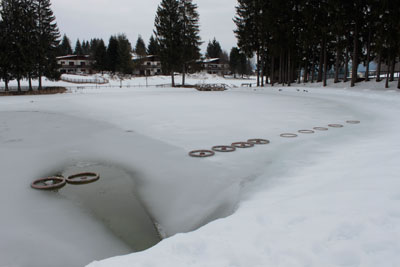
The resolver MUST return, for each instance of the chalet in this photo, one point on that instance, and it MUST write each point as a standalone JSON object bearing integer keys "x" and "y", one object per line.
{"x": 215, "y": 66}
{"x": 75, "y": 64}
{"x": 147, "y": 66}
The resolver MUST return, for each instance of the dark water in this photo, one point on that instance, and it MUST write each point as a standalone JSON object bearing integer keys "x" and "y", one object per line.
{"x": 112, "y": 200}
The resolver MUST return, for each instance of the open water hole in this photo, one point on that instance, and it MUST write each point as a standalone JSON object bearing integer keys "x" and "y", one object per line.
{"x": 113, "y": 201}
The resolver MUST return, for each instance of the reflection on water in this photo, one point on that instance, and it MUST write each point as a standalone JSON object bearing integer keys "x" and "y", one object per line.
{"x": 112, "y": 200}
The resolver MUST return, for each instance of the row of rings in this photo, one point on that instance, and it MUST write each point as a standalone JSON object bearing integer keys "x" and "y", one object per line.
{"x": 57, "y": 182}
{"x": 251, "y": 142}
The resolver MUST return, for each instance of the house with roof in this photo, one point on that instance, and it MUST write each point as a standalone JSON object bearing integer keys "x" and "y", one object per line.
{"x": 75, "y": 64}
{"x": 149, "y": 65}
{"x": 215, "y": 66}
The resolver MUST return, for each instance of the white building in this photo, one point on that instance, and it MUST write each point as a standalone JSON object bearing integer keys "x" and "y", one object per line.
{"x": 215, "y": 66}
{"x": 148, "y": 66}
{"x": 75, "y": 64}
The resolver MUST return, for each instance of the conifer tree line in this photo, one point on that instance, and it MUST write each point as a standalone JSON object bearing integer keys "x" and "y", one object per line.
{"x": 303, "y": 40}
{"x": 28, "y": 41}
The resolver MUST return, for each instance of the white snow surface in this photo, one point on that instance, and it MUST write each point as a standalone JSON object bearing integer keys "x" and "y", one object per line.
{"x": 325, "y": 199}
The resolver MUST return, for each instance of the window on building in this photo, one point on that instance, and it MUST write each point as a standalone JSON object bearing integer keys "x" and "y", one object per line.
{"x": 71, "y": 63}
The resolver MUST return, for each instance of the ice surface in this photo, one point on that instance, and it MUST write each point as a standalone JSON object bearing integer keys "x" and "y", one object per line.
{"x": 327, "y": 199}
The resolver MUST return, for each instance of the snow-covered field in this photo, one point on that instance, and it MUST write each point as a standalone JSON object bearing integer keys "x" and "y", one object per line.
{"x": 325, "y": 199}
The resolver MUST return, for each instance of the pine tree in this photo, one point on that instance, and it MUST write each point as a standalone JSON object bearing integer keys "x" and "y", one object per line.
{"x": 124, "y": 55}
{"x": 113, "y": 54}
{"x": 48, "y": 39}
{"x": 168, "y": 34}
{"x": 93, "y": 46}
{"x": 78, "y": 48}
{"x": 153, "y": 47}
{"x": 141, "y": 52}
{"x": 191, "y": 41}
{"x": 249, "y": 31}
{"x": 65, "y": 47}
{"x": 213, "y": 49}
{"x": 235, "y": 60}
{"x": 32, "y": 37}
{"x": 140, "y": 48}
{"x": 5, "y": 59}
{"x": 100, "y": 56}
{"x": 85, "y": 47}
{"x": 18, "y": 27}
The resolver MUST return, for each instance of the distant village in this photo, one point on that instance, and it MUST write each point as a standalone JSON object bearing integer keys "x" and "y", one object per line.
{"x": 149, "y": 65}
{"x": 94, "y": 57}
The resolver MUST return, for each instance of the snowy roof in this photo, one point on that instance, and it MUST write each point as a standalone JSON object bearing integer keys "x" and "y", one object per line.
{"x": 73, "y": 57}
{"x": 137, "y": 57}
{"x": 210, "y": 60}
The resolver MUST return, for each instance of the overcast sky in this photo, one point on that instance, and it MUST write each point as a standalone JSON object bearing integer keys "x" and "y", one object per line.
{"x": 86, "y": 19}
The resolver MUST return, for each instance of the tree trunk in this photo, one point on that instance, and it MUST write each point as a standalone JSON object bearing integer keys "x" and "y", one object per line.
{"x": 378, "y": 69}
{"x": 368, "y": 55}
{"x": 258, "y": 69}
{"x": 272, "y": 71}
{"x": 398, "y": 81}
{"x": 325, "y": 63}
{"x": 392, "y": 66}
{"x": 321, "y": 61}
{"x": 183, "y": 74}
{"x": 172, "y": 79}
{"x": 387, "y": 74}
{"x": 299, "y": 75}
{"x": 313, "y": 72}
{"x": 355, "y": 57}
{"x": 281, "y": 67}
{"x": 346, "y": 65}
{"x": 5, "y": 82}
{"x": 289, "y": 69}
{"x": 40, "y": 81}
{"x": 305, "y": 72}
{"x": 19, "y": 84}
{"x": 262, "y": 71}
{"x": 337, "y": 63}
{"x": 30, "y": 82}
{"x": 284, "y": 71}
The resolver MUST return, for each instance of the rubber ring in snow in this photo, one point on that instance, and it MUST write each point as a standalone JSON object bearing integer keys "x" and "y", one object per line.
{"x": 49, "y": 183}
{"x": 306, "y": 131}
{"x": 242, "y": 144}
{"x": 353, "y": 122}
{"x": 288, "y": 135}
{"x": 321, "y": 128}
{"x": 223, "y": 148}
{"x": 83, "y": 178}
{"x": 201, "y": 153}
{"x": 335, "y": 125}
{"x": 258, "y": 141}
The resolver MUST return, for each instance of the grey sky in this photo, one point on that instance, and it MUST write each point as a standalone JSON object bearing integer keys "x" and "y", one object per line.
{"x": 86, "y": 19}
